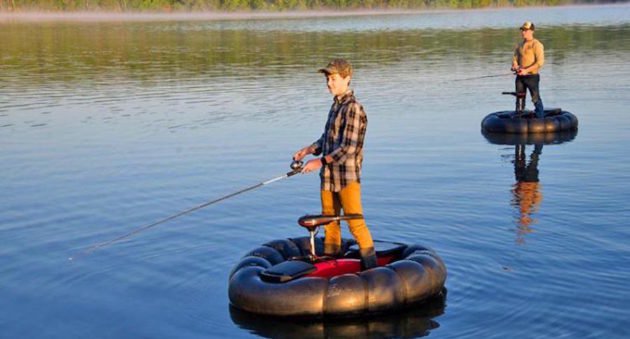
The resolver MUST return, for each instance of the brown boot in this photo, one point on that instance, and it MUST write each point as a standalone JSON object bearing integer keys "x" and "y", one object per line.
{"x": 368, "y": 258}
{"x": 331, "y": 250}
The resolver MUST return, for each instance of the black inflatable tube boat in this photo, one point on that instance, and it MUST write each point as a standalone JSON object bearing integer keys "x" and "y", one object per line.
{"x": 511, "y": 122}
{"x": 276, "y": 280}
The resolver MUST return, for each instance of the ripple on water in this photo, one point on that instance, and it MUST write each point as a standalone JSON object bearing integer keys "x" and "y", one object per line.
{"x": 103, "y": 136}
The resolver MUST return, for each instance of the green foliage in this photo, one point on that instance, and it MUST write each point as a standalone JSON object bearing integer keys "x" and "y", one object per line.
{"x": 277, "y": 5}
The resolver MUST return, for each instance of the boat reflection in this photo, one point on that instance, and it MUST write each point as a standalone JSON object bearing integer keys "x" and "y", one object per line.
{"x": 415, "y": 322}
{"x": 527, "y": 192}
{"x": 530, "y": 139}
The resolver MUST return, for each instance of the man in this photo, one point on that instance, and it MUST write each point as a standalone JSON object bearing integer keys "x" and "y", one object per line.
{"x": 528, "y": 59}
{"x": 341, "y": 147}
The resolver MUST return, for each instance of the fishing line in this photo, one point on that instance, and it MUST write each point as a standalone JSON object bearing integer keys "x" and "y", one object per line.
{"x": 481, "y": 77}
{"x": 296, "y": 167}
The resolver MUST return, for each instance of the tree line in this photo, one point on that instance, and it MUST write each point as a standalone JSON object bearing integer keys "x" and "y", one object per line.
{"x": 269, "y": 5}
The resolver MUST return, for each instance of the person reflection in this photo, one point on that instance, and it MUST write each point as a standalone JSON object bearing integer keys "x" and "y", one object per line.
{"x": 527, "y": 193}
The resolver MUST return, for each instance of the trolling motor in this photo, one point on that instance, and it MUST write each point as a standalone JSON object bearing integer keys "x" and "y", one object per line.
{"x": 520, "y": 101}
{"x": 312, "y": 223}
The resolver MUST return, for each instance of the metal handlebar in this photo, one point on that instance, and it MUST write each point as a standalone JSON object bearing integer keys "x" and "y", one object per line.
{"x": 312, "y": 222}
{"x": 518, "y": 95}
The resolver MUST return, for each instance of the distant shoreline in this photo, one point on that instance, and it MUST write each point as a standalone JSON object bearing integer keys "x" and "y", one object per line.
{"x": 192, "y": 16}
{"x": 104, "y": 16}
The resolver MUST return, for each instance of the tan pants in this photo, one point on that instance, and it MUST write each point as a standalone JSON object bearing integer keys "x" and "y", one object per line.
{"x": 348, "y": 199}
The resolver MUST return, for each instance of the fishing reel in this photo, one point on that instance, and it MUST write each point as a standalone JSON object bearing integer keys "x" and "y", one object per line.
{"x": 296, "y": 165}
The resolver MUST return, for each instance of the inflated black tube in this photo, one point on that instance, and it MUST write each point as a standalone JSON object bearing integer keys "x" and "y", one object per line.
{"x": 531, "y": 138}
{"x": 416, "y": 274}
{"x": 346, "y": 296}
{"x": 384, "y": 289}
{"x": 249, "y": 261}
{"x": 555, "y": 120}
{"x": 411, "y": 323}
{"x": 268, "y": 253}
{"x": 412, "y": 275}
{"x": 302, "y": 297}
{"x": 287, "y": 249}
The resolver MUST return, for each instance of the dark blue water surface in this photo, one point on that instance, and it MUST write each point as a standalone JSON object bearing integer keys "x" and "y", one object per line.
{"x": 106, "y": 127}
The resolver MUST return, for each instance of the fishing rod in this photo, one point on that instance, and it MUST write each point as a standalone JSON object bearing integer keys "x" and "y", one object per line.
{"x": 296, "y": 167}
{"x": 483, "y": 77}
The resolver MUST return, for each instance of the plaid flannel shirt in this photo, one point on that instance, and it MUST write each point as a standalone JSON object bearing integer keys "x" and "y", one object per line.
{"x": 343, "y": 140}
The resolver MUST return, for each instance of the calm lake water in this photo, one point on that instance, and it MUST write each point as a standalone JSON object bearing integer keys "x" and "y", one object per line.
{"x": 109, "y": 126}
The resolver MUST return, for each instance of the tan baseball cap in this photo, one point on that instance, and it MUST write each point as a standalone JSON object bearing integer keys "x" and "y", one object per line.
{"x": 527, "y": 25}
{"x": 337, "y": 66}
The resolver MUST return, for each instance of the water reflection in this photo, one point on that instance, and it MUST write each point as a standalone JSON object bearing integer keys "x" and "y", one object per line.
{"x": 153, "y": 53}
{"x": 412, "y": 323}
{"x": 530, "y": 139}
{"x": 527, "y": 192}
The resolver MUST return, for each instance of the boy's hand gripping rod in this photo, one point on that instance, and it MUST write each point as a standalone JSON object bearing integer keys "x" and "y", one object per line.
{"x": 296, "y": 167}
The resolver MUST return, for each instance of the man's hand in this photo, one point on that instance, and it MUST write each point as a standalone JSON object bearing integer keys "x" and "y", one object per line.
{"x": 312, "y": 165}
{"x": 522, "y": 71}
{"x": 299, "y": 155}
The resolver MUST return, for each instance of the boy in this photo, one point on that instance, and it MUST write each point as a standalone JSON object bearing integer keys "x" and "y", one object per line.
{"x": 341, "y": 147}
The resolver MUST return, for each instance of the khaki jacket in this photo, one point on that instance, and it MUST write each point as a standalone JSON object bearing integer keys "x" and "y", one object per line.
{"x": 530, "y": 55}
